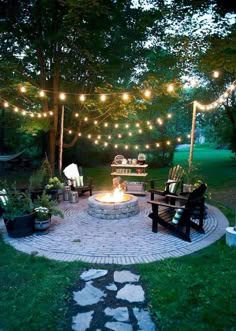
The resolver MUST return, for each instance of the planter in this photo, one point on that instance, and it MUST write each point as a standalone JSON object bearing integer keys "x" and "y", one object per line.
{"x": 20, "y": 226}
{"x": 42, "y": 225}
{"x": 53, "y": 193}
{"x": 35, "y": 193}
{"x": 187, "y": 188}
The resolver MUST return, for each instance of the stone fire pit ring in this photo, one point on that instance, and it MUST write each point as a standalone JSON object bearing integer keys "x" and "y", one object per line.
{"x": 114, "y": 210}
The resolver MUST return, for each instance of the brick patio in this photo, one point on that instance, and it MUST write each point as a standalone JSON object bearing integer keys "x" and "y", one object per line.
{"x": 80, "y": 236}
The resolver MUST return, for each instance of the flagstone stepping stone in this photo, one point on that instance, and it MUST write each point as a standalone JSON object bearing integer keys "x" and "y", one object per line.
{"x": 131, "y": 293}
{"x": 81, "y": 322}
{"x": 111, "y": 287}
{"x": 110, "y": 300}
{"x": 144, "y": 320}
{"x": 89, "y": 295}
{"x": 125, "y": 277}
{"x": 93, "y": 274}
{"x": 120, "y": 314}
{"x": 118, "y": 326}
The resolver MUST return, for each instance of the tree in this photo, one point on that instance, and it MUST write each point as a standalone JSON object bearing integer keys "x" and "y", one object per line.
{"x": 66, "y": 45}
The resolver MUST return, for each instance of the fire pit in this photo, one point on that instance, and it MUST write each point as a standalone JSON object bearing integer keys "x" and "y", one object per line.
{"x": 114, "y": 205}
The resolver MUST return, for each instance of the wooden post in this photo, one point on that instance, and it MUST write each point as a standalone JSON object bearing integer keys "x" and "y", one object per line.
{"x": 190, "y": 160}
{"x": 61, "y": 139}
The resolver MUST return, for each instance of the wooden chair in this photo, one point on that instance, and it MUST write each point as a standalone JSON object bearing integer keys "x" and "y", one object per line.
{"x": 172, "y": 184}
{"x": 166, "y": 214}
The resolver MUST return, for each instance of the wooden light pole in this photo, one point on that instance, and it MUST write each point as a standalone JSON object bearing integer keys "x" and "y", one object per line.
{"x": 61, "y": 139}
{"x": 190, "y": 160}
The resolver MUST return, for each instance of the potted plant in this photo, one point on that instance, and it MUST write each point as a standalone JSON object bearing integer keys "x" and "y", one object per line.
{"x": 44, "y": 208}
{"x": 53, "y": 187}
{"x": 39, "y": 179}
{"x": 36, "y": 183}
{"x": 17, "y": 211}
{"x": 191, "y": 179}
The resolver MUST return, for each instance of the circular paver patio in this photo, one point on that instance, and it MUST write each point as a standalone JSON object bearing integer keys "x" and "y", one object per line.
{"x": 80, "y": 236}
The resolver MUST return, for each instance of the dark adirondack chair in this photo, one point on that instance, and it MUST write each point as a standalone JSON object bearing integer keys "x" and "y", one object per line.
{"x": 188, "y": 207}
{"x": 172, "y": 184}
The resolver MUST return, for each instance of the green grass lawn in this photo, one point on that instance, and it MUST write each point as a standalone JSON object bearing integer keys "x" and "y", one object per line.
{"x": 195, "y": 292}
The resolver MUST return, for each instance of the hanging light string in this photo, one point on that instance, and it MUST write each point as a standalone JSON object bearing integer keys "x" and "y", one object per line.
{"x": 217, "y": 103}
{"x": 24, "y": 112}
{"x": 147, "y": 146}
{"x": 147, "y": 94}
{"x": 99, "y": 121}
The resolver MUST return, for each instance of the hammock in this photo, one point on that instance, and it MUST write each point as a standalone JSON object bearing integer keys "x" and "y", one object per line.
{"x": 10, "y": 157}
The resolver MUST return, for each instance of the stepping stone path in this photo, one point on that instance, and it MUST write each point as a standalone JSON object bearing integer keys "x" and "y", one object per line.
{"x": 110, "y": 300}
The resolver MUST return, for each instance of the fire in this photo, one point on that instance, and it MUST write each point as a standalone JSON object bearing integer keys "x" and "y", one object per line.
{"x": 117, "y": 195}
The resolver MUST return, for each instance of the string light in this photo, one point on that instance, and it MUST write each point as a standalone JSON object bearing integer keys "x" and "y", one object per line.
{"x": 125, "y": 97}
{"x": 216, "y": 74}
{"x": 62, "y": 96}
{"x": 82, "y": 98}
{"x": 6, "y": 104}
{"x": 103, "y": 97}
{"x": 23, "y": 89}
{"x": 147, "y": 93}
{"x": 170, "y": 88}
{"x": 42, "y": 93}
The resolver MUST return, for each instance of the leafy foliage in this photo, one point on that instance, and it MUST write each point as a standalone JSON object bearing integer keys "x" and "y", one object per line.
{"x": 16, "y": 203}
{"x": 45, "y": 206}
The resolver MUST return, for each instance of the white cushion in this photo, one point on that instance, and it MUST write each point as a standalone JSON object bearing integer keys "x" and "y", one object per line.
{"x": 172, "y": 187}
{"x": 3, "y": 197}
{"x": 177, "y": 216}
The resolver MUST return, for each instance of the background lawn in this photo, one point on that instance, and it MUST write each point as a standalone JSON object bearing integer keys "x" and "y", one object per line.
{"x": 195, "y": 292}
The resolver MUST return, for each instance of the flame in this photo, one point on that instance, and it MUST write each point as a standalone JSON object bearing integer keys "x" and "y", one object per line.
{"x": 117, "y": 195}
